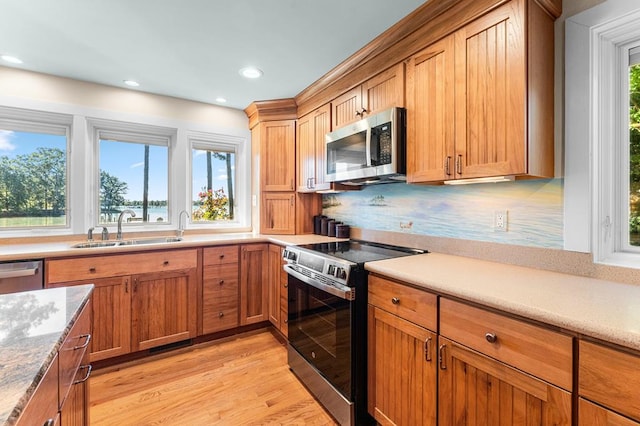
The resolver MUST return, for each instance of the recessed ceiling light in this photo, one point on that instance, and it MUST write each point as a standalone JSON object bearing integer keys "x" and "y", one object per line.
{"x": 131, "y": 83}
{"x": 251, "y": 72}
{"x": 221, "y": 100}
{"x": 11, "y": 59}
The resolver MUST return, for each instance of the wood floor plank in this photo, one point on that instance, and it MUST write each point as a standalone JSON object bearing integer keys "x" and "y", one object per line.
{"x": 244, "y": 380}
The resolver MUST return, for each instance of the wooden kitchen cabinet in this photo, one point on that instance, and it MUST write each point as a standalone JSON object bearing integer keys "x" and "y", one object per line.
{"x": 43, "y": 405}
{"x": 493, "y": 367}
{"x": 254, "y": 283}
{"x": 610, "y": 378}
{"x": 590, "y": 414}
{"x": 220, "y": 288}
{"x": 278, "y": 148}
{"x": 311, "y": 149}
{"x": 164, "y": 308}
{"x": 278, "y": 297}
{"x": 480, "y": 101}
{"x": 278, "y": 214}
{"x": 402, "y": 373}
{"x": 116, "y": 309}
{"x": 380, "y": 92}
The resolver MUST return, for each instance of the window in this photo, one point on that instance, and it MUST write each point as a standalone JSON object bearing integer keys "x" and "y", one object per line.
{"x": 33, "y": 169}
{"x": 213, "y": 184}
{"x": 602, "y": 157}
{"x": 133, "y": 174}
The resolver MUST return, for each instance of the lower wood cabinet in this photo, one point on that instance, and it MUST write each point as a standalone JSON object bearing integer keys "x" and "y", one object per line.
{"x": 402, "y": 374}
{"x": 151, "y": 302}
{"x": 220, "y": 288}
{"x": 278, "y": 292}
{"x": 590, "y": 414}
{"x": 476, "y": 389}
{"x": 610, "y": 378}
{"x": 254, "y": 283}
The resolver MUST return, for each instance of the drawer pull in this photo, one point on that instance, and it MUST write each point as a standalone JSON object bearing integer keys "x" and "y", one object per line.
{"x": 87, "y": 338}
{"x": 221, "y": 314}
{"x": 491, "y": 337}
{"x": 222, "y": 256}
{"x": 49, "y": 422}
{"x": 92, "y": 270}
{"x": 441, "y": 355}
{"x": 86, "y": 377}
{"x": 395, "y": 301}
{"x": 166, "y": 263}
{"x": 427, "y": 349}
{"x": 286, "y": 286}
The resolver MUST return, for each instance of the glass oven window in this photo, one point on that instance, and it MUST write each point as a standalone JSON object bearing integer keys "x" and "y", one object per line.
{"x": 347, "y": 154}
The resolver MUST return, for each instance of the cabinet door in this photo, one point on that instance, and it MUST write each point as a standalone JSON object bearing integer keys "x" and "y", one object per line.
{"x": 278, "y": 155}
{"x": 254, "y": 282}
{"x": 278, "y": 213}
{"x": 490, "y": 95}
{"x": 430, "y": 113}
{"x": 402, "y": 371}
{"x": 305, "y": 153}
{"x": 164, "y": 308}
{"x": 385, "y": 90}
{"x": 111, "y": 323}
{"x": 590, "y": 414}
{"x": 275, "y": 262}
{"x": 75, "y": 411}
{"x": 347, "y": 108}
{"x": 475, "y": 389}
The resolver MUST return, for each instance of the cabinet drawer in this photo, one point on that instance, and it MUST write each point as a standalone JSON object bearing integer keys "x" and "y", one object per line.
{"x": 610, "y": 377}
{"x": 220, "y": 299}
{"x": 72, "y": 350}
{"x": 220, "y": 255}
{"x": 87, "y": 268}
{"x": 541, "y": 352}
{"x": 417, "y": 306}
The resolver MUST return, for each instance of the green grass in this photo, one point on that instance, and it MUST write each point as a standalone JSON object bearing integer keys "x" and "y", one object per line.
{"x": 21, "y": 222}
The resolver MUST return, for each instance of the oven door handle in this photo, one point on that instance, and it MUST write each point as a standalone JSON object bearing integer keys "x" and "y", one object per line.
{"x": 346, "y": 293}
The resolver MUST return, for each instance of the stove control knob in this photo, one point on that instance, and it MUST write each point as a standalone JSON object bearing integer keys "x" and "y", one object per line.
{"x": 341, "y": 273}
{"x": 292, "y": 256}
{"x": 331, "y": 270}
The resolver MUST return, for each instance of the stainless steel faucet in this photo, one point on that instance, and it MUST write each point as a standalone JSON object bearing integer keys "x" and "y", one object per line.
{"x": 119, "y": 234}
{"x": 180, "y": 230}
{"x": 90, "y": 234}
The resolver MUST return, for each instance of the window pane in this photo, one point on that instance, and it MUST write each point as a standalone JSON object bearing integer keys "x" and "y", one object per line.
{"x": 213, "y": 185}
{"x": 634, "y": 155}
{"x": 133, "y": 176}
{"x": 33, "y": 179}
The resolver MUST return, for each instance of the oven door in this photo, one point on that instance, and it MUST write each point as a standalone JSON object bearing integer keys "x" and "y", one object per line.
{"x": 320, "y": 330}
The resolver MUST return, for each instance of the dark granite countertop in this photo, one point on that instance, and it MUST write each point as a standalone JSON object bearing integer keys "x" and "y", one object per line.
{"x": 33, "y": 324}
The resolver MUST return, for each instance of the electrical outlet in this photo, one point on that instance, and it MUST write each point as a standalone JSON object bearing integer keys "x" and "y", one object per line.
{"x": 500, "y": 220}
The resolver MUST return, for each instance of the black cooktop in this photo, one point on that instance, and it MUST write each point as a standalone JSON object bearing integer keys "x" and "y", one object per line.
{"x": 358, "y": 251}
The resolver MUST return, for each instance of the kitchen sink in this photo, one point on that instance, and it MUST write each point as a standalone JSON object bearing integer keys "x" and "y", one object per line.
{"x": 142, "y": 241}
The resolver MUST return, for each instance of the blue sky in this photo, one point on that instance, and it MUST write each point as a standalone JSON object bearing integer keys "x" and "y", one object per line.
{"x": 123, "y": 160}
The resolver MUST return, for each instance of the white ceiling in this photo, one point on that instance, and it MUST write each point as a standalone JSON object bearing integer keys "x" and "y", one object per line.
{"x": 193, "y": 49}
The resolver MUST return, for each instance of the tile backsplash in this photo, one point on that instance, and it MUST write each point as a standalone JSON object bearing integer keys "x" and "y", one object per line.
{"x": 467, "y": 212}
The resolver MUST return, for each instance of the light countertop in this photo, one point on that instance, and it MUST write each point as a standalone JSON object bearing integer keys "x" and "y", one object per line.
{"x": 597, "y": 308}
{"x": 27, "y": 350}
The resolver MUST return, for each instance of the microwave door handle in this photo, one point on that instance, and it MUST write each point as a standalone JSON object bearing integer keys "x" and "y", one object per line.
{"x": 368, "y": 143}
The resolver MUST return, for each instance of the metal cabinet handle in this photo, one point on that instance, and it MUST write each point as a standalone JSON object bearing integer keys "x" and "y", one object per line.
{"x": 86, "y": 377}
{"x": 427, "y": 349}
{"x": 165, "y": 263}
{"x": 126, "y": 286}
{"x": 395, "y": 301}
{"x": 49, "y": 422}
{"x": 447, "y": 165}
{"x": 222, "y": 256}
{"x": 286, "y": 286}
{"x": 87, "y": 338}
{"x": 459, "y": 164}
{"x": 221, "y": 282}
{"x": 92, "y": 270}
{"x": 220, "y": 315}
{"x": 491, "y": 337}
{"x": 441, "y": 355}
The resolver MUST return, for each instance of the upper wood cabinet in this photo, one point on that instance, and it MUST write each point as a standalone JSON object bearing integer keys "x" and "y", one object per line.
{"x": 278, "y": 213}
{"x": 311, "y": 149}
{"x": 383, "y": 91}
{"x": 480, "y": 101}
{"x": 277, "y": 152}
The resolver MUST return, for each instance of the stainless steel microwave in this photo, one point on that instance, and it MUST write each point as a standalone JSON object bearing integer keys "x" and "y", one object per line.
{"x": 372, "y": 150}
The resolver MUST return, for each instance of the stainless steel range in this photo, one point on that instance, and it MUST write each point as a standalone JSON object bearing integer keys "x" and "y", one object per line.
{"x": 328, "y": 321}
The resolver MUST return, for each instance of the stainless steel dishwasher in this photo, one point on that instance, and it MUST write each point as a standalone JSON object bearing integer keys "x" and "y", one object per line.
{"x": 21, "y": 276}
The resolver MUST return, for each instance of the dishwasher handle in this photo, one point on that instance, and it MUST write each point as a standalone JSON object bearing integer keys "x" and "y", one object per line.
{"x": 25, "y": 269}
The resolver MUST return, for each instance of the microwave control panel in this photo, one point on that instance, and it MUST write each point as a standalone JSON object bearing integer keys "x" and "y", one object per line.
{"x": 381, "y": 138}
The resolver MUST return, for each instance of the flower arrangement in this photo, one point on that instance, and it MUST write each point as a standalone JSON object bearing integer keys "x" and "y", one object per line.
{"x": 214, "y": 205}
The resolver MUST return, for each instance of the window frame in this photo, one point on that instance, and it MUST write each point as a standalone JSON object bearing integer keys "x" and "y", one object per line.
{"x": 242, "y": 205}
{"x": 33, "y": 121}
{"x": 138, "y": 133}
{"x": 597, "y": 172}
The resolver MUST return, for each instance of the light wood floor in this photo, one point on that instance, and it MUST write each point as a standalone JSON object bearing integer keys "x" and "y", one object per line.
{"x": 238, "y": 381}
